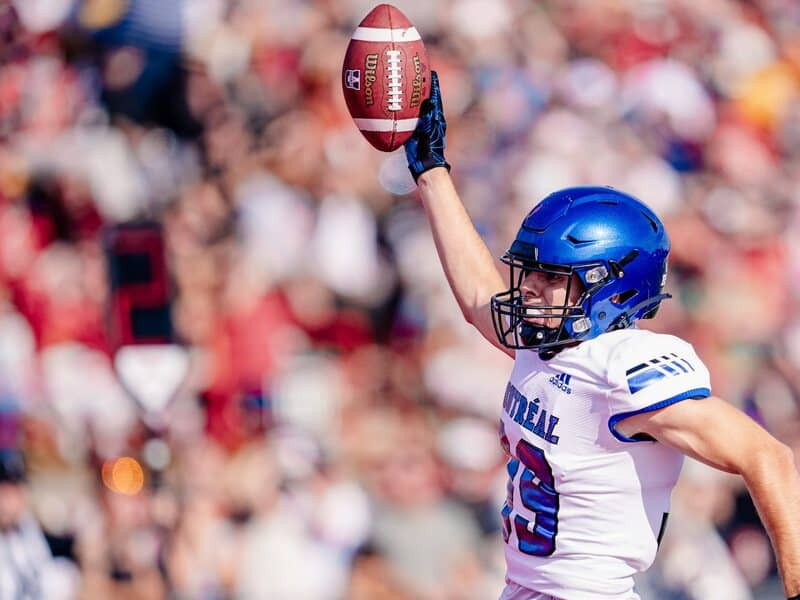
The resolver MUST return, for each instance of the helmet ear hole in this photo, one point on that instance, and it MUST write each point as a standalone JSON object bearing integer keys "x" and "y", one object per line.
{"x": 622, "y": 298}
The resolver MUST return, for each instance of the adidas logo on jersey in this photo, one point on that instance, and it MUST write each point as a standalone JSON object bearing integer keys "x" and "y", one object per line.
{"x": 561, "y": 381}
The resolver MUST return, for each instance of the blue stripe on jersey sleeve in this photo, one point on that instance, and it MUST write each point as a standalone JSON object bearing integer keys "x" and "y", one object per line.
{"x": 644, "y": 378}
{"x": 669, "y": 369}
{"x": 612, "y": 422}
{"x": 675, "y": 363}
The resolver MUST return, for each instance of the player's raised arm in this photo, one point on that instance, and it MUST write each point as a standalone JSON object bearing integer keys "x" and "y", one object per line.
{"x": 716, "y": 433}
{"x": 467, "y": 262}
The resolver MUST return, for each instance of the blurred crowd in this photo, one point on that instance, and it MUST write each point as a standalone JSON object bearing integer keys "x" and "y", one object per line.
{"x": 334, "y": 434}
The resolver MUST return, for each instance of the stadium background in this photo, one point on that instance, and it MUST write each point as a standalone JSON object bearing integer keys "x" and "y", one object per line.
{"x": 335, "y": 435}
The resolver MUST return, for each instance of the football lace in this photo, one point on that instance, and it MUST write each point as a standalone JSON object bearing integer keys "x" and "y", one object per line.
{"x": 394, "y": 75}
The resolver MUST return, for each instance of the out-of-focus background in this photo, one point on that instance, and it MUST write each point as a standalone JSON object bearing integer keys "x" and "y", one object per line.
{"x": 335, "y": 434}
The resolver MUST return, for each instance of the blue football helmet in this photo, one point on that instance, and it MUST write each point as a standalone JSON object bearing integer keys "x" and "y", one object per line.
{"x": 616, "y": 246}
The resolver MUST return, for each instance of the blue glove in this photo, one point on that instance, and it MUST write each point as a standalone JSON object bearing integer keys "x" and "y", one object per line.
{"x": 425, "y": 148}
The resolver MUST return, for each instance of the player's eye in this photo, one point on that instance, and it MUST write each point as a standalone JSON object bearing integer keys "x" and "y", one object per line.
{"x": 554, "y": 277}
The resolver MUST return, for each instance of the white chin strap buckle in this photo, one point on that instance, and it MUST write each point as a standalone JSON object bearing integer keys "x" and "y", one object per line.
{"x": 581, "y": 325}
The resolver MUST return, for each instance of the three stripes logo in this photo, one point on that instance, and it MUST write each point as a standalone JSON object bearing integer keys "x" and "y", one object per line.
{"x": 561, "y": 381}
{"x": 647, "y": 373}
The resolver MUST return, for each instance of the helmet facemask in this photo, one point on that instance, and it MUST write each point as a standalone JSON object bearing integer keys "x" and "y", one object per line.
{"x": 602, "y": 286}
{"x": 512, "y": 318}
{"x": 610, "y": 241}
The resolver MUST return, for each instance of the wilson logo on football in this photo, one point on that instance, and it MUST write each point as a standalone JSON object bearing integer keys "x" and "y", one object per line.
{"x": 352, "y": 79}
{"x": 370, "y": 68}
{"x": 561, "y": 381}
{"x": 416, "y": 83}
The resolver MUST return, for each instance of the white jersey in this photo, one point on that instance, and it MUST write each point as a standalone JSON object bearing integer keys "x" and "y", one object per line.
{"x": 585, "y": 503}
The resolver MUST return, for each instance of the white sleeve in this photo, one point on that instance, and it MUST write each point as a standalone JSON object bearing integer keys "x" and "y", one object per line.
{"x": 647, "y": 377}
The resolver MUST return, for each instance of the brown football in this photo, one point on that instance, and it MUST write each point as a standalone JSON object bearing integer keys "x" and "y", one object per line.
{"x": 385, "y": 77}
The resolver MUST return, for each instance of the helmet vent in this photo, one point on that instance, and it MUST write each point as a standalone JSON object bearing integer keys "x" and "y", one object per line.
{"x": 575, "y": 240}
{"x": 624, "y": 296}
{"x": 650, "y": 220}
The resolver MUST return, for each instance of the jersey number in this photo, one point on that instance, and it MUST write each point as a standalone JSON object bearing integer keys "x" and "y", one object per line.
{"x": 538, "y": 494}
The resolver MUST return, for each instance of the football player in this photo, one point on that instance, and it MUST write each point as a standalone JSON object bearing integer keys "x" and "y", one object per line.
{"x": 598, "y": 413}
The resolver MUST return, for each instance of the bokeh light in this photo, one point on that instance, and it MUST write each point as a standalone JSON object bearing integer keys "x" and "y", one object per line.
{"x": 123, "y": 475}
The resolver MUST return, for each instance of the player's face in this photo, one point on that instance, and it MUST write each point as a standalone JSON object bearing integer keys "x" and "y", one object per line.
{"x": 549, "y": 289}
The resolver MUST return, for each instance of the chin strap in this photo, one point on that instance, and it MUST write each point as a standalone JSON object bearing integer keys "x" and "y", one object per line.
{"x": 533, "y": 335}
{"x": 625, "y": 320}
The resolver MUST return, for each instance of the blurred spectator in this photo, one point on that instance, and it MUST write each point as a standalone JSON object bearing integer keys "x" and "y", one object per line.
{"x": 429, "y": 542}
{"x": 333, "y": 436}
{"x": 28, "y": 568}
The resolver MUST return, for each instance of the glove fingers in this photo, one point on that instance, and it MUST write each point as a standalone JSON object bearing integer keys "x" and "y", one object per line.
{"x": 425, "y": 148}
{"x": 436, "y": 96}
{"x": 426, "y": 107}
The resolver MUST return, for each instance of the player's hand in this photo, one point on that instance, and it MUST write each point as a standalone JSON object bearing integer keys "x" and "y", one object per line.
{"x": 425, "y": 148}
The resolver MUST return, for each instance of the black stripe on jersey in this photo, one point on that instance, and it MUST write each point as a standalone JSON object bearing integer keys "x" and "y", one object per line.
{"x": 663, "y": 362}
{"x": 662, "y": 529}
{"x": 636, "y": 368}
